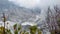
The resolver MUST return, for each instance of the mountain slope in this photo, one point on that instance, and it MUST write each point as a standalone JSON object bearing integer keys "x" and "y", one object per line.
{"x": 16, "y": 13}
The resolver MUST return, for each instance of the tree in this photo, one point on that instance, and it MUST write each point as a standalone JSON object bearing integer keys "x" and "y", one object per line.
{"x": 27, "y": 33}
{"x": 8, "y": 31}
{"x": 1, "y": 30}
{"x": 17, "y": 28}
{"x": 39, "y": 31}
{"x": 33, "y": 29}
{"x": 52, "y": 16}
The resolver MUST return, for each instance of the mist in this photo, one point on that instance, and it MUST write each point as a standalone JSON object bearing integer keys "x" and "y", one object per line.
{"x": 35, "y": 3}
{"x": 42, "y": 4}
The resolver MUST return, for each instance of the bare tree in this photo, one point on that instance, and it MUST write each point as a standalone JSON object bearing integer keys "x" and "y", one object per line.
{"x": 52, "y": 16}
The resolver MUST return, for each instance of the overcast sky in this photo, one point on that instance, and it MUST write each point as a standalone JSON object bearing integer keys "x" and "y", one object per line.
{"x": 35, "y": 3}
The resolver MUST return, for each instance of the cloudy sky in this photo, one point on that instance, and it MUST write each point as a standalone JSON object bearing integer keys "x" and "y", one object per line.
{"x": 35, "y": 3}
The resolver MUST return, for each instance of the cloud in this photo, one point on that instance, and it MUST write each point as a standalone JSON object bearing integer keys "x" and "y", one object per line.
{"x": 26, "y": 3}
{"x": 35, "y": 3}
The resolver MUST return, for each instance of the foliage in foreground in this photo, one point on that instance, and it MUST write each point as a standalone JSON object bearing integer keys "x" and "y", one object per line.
{"x": 18, "y": 28}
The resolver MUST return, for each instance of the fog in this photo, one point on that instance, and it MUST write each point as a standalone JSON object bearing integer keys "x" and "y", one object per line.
{"x": 42, "y": 4}
{"x": 35, "y": 3}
